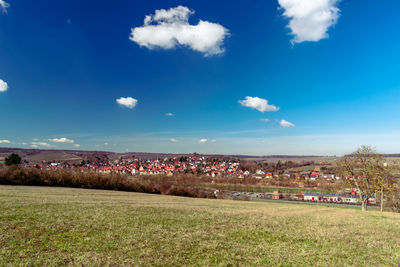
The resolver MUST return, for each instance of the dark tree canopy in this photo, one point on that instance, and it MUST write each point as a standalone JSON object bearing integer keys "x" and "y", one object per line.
{"x": 13, "y": 159}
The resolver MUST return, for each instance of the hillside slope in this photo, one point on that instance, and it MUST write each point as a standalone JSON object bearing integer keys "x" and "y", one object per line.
{"x": 59, "y": 226}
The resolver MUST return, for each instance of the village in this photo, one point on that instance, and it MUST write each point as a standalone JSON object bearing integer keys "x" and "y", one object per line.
{"x": 306, "y": 181}
{"x": 197, "y": 165}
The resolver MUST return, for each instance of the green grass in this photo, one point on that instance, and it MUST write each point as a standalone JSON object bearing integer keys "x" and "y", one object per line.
{"x": 63, "y": 226}
{"x": 255, "y": 188}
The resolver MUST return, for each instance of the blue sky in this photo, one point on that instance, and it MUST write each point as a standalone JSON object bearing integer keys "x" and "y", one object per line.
{"x": 323, "y": 72}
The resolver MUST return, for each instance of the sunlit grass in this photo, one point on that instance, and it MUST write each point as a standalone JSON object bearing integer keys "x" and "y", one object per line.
{"x": 63, "y": 226}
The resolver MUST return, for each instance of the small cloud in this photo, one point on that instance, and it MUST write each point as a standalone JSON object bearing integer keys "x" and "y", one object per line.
{"x": 173, "y": 140}
{"x": 23, "y": 143}
{"x": 35, "y": 139}
{"x": 265, "y": 120}
{"x": 257, "y": 103}
{"x": 62, "y": 140}
{"x": 213, "y": 140}
{"x": 286, "y": 124}
{"x": 203, "y": 140}
{"x": 128, "y": 102}
{"x": 4, "y": 5}
{"x": 3, "y": 85}
{"x": 169, "y": 114}
{"x": 167, "y": 29}
{"x": 77, "y": 145}
{"x": 39, "y": 144}
{"x": 105, "y": 143}
{"x": 5, "y": 141}
{"x": 309, "y": 20}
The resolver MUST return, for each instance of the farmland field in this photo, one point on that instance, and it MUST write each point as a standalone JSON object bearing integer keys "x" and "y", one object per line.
{"x": 64, "y": 226}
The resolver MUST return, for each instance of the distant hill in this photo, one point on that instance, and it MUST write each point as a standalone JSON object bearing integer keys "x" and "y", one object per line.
{"x": 71, "y": 156}
{"x": 76, "y": 156}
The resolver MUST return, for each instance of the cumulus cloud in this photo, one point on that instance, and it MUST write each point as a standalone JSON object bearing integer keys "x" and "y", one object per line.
{"x": 173, "y": 140}
{"x": 265, "y": 120}
{"x": 105, "y": 143}
{"x": 5, "y": 141}
{"x": 77, "y": 145}
{"x": 62, "y": 140}
{"x": 128, "y": 102}
{"x": 286, "y": 124}
{"x": 4, "y": 5}
{"x": 169, "y": 114}
{"x": 39, "y": 144}
{"x": 167, "y": 29}
{"x": 309, "y": 20}
{"x": 257, "y": 103}
{"x": 3, "y": 85}
{"x": 203, "y": 140}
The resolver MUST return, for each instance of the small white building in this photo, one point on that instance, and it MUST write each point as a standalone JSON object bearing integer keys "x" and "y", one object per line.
{"x": 315, "y": 197}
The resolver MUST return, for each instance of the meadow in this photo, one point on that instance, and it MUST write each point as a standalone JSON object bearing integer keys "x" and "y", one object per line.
{"x": 69, "y": 226}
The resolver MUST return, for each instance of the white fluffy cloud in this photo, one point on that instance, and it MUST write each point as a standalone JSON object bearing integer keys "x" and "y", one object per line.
{"x": 169, "y": 114}
{"x": 128, "y": 102}
{"x": 286, "y": 124}
{"x": 4, "y": 5}
{"x": 39, "y": 144}
{"x": 5, "y": 141}
{"x": 3, "y": 85}
{"x": 203, "y": 140}
{"x": 309, "y": 20}
{"x": 62, "y": 140}
{"x": 257, "y": 103}
{"x": 167, "y": 29}
{"x": 173, "y": 140}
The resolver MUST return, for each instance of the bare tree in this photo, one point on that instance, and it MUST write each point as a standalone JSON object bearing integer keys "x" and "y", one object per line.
{"x": 365, "y": 170}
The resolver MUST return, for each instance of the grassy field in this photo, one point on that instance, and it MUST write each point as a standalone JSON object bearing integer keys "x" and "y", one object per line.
{"x": 62, "y": 226}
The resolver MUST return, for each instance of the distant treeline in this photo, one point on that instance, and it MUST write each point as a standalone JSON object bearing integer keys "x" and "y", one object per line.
{"x": 391, "y": 155}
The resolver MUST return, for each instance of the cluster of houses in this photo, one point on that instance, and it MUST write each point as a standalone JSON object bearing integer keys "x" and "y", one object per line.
{"x": 166, "y": 166}
{"x": 207, "y": 166}
{"x": 313, "y": 175}
{"x": 341, "y": 198}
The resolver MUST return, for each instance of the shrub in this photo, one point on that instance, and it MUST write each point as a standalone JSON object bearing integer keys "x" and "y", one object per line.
{"x": 15, "y": 175}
